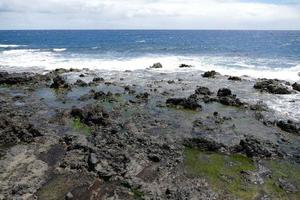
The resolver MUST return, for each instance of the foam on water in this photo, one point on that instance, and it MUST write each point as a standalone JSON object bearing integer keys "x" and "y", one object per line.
{"x": 59, "y": 49}
{"x": 11, "y": 45}
{"x": 228, "y": 65}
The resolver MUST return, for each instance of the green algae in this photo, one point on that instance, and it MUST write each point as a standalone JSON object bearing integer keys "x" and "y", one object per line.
{"x": 223, "y": 172}
{"x": 78, "y": 126}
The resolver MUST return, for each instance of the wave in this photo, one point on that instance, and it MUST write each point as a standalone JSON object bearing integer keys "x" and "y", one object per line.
{"x": 11, "y": 45}
{"x": 140, "y": 41}
{"x": 239, "y": 66}
{"x": 59, "y": 49}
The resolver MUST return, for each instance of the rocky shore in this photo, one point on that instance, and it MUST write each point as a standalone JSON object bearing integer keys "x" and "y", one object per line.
{"x": 146, "y": 134}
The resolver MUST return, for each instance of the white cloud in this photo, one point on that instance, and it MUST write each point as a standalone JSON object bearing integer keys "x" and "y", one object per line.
{"x": 114, "y": 14}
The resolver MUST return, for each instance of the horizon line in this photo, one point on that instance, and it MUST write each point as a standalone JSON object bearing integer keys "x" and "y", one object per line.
{"x": 77, "y": 29}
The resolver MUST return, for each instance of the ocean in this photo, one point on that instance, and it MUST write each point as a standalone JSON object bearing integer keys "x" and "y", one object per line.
{"x": 269, "y": 54}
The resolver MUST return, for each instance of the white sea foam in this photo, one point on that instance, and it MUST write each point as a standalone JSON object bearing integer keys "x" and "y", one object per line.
{"x": 11, "y": 45}
{"x": 140, "y": 41}
{"x": 257, "y": 68}
{"x": 59, "y": 49}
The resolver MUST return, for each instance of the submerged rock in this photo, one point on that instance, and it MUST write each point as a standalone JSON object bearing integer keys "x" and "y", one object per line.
{"x": 156, "y": 66}
{"x": 224, "y": 92}
{"x": 287, "y": 186}
{"x": 81, "y": 83}
{"x": 187, "y": 103}
{"x": 272, "y": 86}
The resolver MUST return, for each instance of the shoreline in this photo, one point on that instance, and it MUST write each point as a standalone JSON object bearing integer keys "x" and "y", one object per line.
{"x": 147, "y": 134}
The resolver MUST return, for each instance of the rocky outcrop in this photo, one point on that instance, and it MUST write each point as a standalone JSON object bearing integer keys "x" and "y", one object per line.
{"x": 254, "y": 147}
{"x": 272, "y": 86}
{"x": 296, "y": 86}
{"x": 210, "y": 74}
{"x": 234, "y": 78}
{"x": 156, "y": 66}
{"x": 203, "y": 91}
{"x": 17, "y": 129}
{"x": 91, "y": 115}
{"x": 289, "y": 126}
{"x": 227, "y": 98}
{"x": 59, "y": 82}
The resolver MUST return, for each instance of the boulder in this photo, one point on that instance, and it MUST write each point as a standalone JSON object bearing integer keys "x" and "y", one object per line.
{"x": 296, "y": 86}
{"x": 210, "y": 74}
{"x": 289, "y": 126}
{"x": 224, "y": 92}
{"x": 203, "y": 91}
{"x": 156, "y": 66}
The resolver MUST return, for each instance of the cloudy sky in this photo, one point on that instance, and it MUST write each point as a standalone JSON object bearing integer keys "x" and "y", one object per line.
{"x": 150, "y": 14}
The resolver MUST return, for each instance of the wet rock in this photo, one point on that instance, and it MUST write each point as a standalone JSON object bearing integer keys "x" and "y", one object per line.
{"x": 98, "y": 79}
{"x": 224, "y": 92}
{"x": 210, "y": 74}
{"x": 59, "y": 82}
{"x": 80, "y": 83}
{"x": 253, "y": 147}
{"x": 185, "y": 66}
{"x": 272, "y": 86}
{"x": 226, "y": 98}
{"x": 203, "y": 144}
{"x": 156, "y": 66}
{"x": 203, "y": 91}
{"x": 91, "y": 115}
{"x": 81, "y": 75}
{"x": 17, "y": 129}
{"x": 258, "y": 176}
{"x": 144, "y": 95}
{"x": 187, "y": 103}
{"x": 289, "y": 126}
{"x": 287, "y": 186}
{"x": 296, "y": 86}
{"x": 234, "y": 78}
{"x": 11, "y": 79}
{"x": 171, "y": 82}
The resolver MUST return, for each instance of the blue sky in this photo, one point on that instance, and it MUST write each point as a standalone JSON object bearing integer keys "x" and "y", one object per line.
{"x": 150, "y": 14}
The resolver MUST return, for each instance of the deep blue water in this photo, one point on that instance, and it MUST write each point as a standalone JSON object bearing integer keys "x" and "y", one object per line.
{"x": 242, "y": 43}
{"x": 255, "y": 53}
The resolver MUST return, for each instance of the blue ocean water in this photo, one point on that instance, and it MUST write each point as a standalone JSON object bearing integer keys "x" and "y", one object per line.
{"x": 246, "y": 52}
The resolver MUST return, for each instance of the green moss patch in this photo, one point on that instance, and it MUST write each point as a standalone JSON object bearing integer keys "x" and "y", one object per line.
{"x": 223, "y": 172}
{"x": 78, "y": 126}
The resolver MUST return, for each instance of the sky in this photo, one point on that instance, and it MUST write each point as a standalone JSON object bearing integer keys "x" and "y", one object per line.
{"x": 150, "y": 14}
